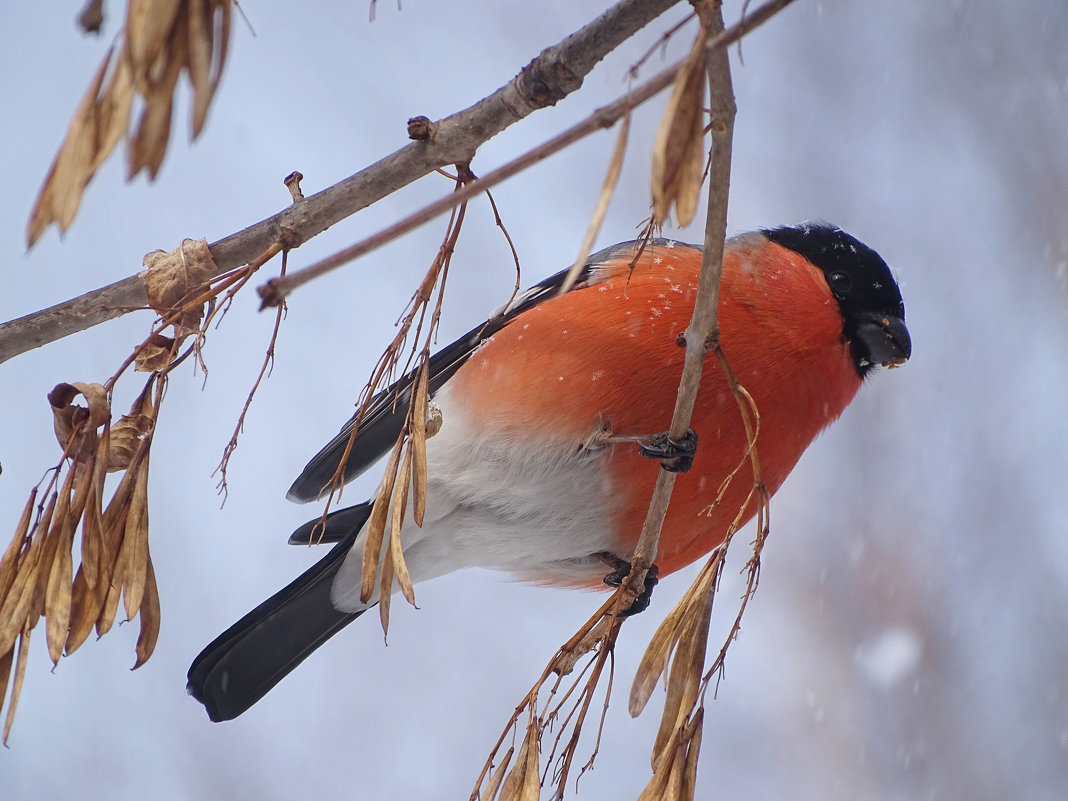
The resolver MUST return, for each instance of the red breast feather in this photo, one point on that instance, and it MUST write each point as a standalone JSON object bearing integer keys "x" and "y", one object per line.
{"x": 604, "y": 357}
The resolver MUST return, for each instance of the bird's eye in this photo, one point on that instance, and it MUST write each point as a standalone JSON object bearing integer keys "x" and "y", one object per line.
{"x": 840, "y": 283}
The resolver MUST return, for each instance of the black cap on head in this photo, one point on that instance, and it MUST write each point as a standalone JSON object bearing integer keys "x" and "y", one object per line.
{"x": 873, "y": 314}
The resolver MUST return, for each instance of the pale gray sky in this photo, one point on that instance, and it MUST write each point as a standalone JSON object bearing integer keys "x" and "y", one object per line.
{"x": 908, "y": 637}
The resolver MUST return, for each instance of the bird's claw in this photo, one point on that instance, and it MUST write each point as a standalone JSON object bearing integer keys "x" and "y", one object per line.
{"x": 674, "y": 455}
{"x": 621, "y": 571}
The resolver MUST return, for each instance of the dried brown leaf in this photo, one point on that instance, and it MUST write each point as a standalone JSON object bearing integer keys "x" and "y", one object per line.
{"x": 493, "y": 786}
{"x": 83, "y": 601}
{"x": 28, "y": 556}
{"x": 126, "y": 436}
{"x": 95, "y": 128}
{"x": 147, "y": 144}
{"x": 524, "y": 780}
{"x": 84, "y": 610}
{"x": 113, "y": 111}
{"x": 608, "y": 190}
{"x": 113, "y": 520}
{"x": 659, "y": 785}
{"x": 687, "y": 668}
{"x": 133, "y": 557}
{"x": 95, "y": 561}
{"x": 417, "y": 442}
{"x": 94, "y": 600}
{"x": 132, "y": 432}
{"x": 83, "y": 485}
{"x": 17, "y": 603}
{"x": 693, "y": 753}
{"x": 92, "y": 539}
{"x": 58, "y": 590}
{"x": 172, "y": 280}
{"x": 68, "y": 416}
{"x": 198, "y": 63}
{"x": 110, "y": 566}
{"x": 675, "y": 772}
{"x": 222, "y": 38}
{"x": 16, "y": 687}
{"x": 9, "y": 564}
{"x": 679, "y": 151}
{"x": 532, "y": 780}
{"x": 376, "y": 525}
{"x": 148, "y": 30}
{"x": 654, "y": 660}
{"x": 42, "y": 531}
{"x": 385, "y": 592}
{"x": 109, "y": 609}
{"x": 150, "y": 618}
{"x": 396, "y": 547}
{"x": 673, "y": 791}
{"x": 209, "y": 22}
{"x": 155, "y": 353}
{"x": 6, "y": 661}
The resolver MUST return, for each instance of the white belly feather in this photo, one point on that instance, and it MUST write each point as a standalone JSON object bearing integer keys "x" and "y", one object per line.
{"x": 500, "y": 501}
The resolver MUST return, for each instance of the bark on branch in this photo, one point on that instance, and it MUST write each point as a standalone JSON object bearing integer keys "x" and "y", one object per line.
{"x": 555, "y": 73}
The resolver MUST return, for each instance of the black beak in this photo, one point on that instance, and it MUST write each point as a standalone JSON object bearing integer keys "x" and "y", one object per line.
{"x": 885, "y": 339}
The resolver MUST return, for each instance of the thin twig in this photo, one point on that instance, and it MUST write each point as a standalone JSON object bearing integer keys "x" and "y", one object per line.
{"x": 611, "y": 180}
{"x": 265, "y": 369}
{"x": 704, "y": 324}
{"x": 274, "y": 291}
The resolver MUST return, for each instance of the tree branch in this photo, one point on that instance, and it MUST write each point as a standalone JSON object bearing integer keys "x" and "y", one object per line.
{"x": 555, "y": 73}
{"x": 275, "y": 290}
{"x": 704, "y": 324}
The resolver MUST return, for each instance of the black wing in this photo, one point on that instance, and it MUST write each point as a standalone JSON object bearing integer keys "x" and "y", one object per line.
{"x": 387, "y": 410}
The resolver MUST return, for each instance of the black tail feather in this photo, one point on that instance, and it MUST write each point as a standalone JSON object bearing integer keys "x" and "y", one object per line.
{"x": 244, "y": 662}
{"x": 339, "y": 525}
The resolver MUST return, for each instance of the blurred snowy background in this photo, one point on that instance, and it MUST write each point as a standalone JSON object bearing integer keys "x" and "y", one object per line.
{"x": 910, "y": 635}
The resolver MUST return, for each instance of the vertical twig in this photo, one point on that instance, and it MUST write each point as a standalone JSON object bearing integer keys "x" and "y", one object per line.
{"x": 703, "y": 329}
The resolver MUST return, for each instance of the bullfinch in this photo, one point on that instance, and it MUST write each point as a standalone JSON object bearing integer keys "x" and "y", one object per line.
{"x": 534, "y": 470}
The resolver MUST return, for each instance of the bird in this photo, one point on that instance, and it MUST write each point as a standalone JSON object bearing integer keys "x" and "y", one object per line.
{"x": 535, "y": 471}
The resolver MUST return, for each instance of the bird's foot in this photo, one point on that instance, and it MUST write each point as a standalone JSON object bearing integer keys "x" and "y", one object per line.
{"x": 676, "y": 456}
{"x": 621, "y": 569}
